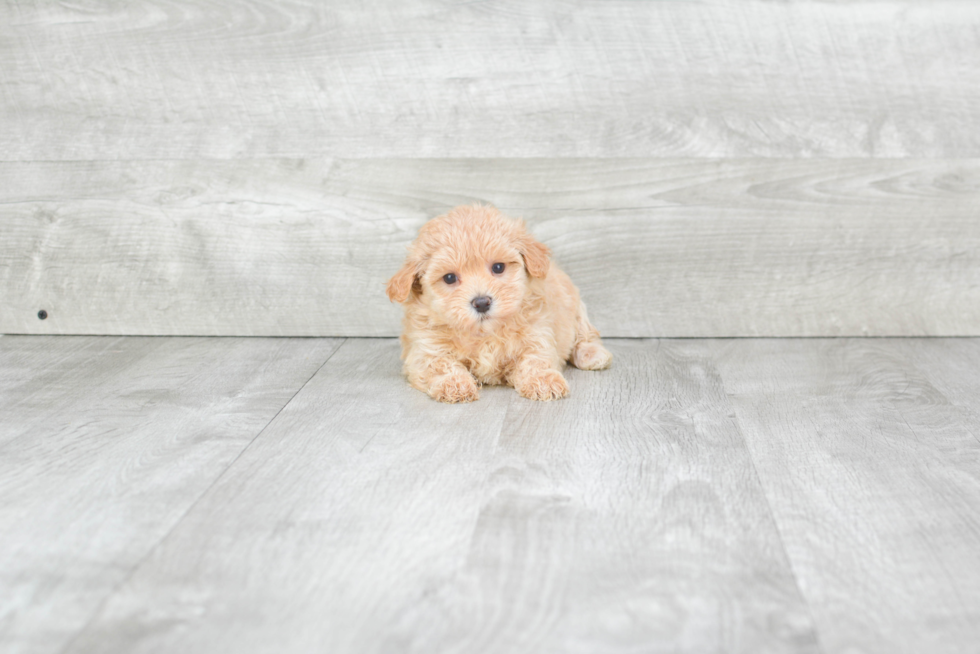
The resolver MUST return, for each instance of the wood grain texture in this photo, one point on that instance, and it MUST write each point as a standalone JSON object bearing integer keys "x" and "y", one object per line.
{"x": 358, "y": 501}
{"x": 627, "y": 518}
{"x": 722, "y": 495}
{"x": 105, "y": 443}
{"x": 873, "y": 477}
{"x": 950, "y": 369}
{"x": 684, "y": 247}
{"x": 581, "y": 78}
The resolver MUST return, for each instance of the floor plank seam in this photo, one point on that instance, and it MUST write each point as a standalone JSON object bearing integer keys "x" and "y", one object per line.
{"x": 775, "y": 523}
{"x": 139, "y": 564}
{"x": 488, "y": 473}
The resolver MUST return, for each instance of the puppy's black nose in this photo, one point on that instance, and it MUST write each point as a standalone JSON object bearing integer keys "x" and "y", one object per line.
{"x": 481, "y": 304}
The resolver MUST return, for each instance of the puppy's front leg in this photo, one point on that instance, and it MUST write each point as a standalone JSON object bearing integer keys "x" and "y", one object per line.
{"x": 441, "y": 377}
{"x": 537, "y": 379}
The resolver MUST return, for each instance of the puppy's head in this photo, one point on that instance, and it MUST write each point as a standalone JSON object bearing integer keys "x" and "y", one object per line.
{"x": 471, "y": 268}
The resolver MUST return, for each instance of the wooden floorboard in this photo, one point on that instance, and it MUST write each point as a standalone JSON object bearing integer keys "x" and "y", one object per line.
{"x": 873, "y": 476}
{"x": 360, "y": 500}
{"x": 675, "y": 247}
{"x": 748, "y": 495}
{"x": 369, "y": 518}
{"x": 582, "y": 78}
{"x": 105, "y": 443}
{"x": 626, "y": 519}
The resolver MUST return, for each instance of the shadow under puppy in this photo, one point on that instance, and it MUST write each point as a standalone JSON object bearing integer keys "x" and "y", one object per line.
{"x": 484, "y": 304}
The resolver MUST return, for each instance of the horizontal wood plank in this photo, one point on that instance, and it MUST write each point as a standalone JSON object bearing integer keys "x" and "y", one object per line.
{"x": 580, "y": 78}
{"x": 105, "y": 443}
{"x": 684, "y": 247}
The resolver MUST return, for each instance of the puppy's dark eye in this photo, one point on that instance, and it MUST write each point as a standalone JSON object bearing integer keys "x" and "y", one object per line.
{"x": 449, "y": 278}
{"x": 497, "y": 268}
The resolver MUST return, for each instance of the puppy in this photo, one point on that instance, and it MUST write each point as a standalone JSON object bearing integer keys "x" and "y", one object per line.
{"x": 484, "y": 304}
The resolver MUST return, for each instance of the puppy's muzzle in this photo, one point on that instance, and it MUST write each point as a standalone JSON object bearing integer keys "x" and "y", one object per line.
{"x": 482, "y": 303}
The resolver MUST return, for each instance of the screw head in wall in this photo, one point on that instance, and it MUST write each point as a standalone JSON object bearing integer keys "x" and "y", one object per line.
{"x": 42, "y": 314}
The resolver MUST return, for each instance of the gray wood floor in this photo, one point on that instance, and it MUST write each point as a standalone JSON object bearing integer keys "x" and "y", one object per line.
{"x": 295, "y": 495}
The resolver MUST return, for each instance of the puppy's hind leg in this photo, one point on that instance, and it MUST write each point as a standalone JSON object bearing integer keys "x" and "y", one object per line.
{"x": 588, "y": 352}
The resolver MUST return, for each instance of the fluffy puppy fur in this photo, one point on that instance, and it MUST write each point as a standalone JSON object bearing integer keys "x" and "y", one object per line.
{"x": 484, "y": 304}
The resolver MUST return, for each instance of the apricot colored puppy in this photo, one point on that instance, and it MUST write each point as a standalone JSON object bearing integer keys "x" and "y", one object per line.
{"x": 484, "y": 304}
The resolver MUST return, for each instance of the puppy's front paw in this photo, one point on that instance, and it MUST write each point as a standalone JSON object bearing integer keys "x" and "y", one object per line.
{"x": 589, "y": 355}
{"x": 455, "y": 387}
{"x": 543, "y": 385}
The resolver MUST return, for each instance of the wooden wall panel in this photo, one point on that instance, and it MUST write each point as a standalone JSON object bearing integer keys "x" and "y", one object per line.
{"x": 685, "y": 247}
{"x": 701, "y": 169}
{"x": 429, "y": 78}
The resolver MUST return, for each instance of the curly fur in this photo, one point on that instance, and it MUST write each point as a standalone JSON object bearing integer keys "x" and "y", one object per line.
{"x": 536, "y": 320}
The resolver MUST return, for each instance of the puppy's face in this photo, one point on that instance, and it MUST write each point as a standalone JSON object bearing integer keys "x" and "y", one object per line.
{"x": 475, "y": 284}
{"x": 471, "y": 268}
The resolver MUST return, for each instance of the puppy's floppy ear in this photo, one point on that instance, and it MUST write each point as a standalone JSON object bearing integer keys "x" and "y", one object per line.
{"x": 537, "y": 256}
{"x": 403, "y": 281}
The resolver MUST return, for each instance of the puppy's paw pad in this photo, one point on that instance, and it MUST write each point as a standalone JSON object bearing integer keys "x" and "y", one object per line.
{"x": 455, "y": 388}
{"x": 591, "y": 356}
{"x": 543, "y": 386}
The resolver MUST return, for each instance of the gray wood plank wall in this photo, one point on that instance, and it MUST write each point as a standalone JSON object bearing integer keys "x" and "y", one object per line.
{"x": 701, "y": 169}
